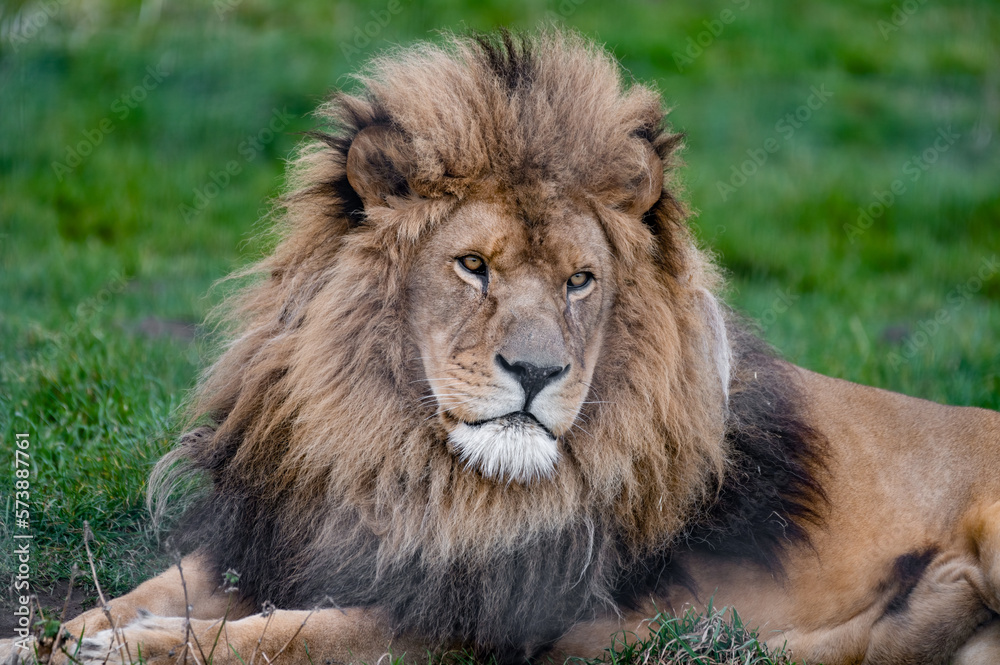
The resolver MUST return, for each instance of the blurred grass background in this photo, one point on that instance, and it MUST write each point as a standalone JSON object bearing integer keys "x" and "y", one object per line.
{"x": 119, "y": 120}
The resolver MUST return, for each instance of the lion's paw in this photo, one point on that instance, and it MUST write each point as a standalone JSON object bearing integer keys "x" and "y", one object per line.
{"x": 100, "y": 648}
{"x": 148, "y": 639}
{"x": 17, "y": 652}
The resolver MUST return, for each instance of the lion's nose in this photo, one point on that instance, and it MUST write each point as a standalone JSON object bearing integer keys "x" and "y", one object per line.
{"x": 531, "y": 377}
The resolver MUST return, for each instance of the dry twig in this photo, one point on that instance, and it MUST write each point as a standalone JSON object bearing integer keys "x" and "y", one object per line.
{"x": 116, "y": 632}
{"x": 188, "y": 632}
{"x": 58, "y": 643}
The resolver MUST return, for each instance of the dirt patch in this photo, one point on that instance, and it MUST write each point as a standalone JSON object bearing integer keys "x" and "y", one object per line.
{"x": 51, "y": 601}
{"x": 155, "y": 327}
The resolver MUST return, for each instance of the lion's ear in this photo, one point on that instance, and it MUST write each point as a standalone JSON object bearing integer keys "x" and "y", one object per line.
{"x": 378, "y": 162}
{"x": 645, "y": 190}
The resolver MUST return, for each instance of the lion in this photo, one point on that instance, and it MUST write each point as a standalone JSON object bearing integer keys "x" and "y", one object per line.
{"x": 485, "y": 395}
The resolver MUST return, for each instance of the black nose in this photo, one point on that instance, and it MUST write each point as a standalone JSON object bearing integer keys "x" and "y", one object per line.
{"x": 531, "y": 377}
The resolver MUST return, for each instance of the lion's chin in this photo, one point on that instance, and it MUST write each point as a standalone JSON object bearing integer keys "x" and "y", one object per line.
{"x": 512, "y": 449}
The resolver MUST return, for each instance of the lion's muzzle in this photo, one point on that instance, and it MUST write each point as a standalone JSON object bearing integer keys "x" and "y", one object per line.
{"x": 515, "y": 447}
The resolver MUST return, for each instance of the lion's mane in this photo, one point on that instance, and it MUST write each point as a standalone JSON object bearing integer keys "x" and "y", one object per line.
{"x": 329, "y": 483}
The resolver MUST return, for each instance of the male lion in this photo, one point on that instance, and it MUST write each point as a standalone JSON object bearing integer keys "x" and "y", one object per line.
{"x": 484, "y": 396}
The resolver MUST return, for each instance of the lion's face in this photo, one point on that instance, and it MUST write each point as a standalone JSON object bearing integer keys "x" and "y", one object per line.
{"x": 508, "y": 311}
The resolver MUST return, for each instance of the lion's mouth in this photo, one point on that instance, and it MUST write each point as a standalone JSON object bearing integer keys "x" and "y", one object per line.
{"x": 513, "y": 419}
{"x": 513, "y": 447}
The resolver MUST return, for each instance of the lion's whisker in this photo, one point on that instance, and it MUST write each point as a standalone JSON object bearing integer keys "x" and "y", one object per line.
{"x": 449, "y": 396}
{"x": 429, "y": 398}
{"x": 451, "y": 404}
{"x": 438, "y": 412}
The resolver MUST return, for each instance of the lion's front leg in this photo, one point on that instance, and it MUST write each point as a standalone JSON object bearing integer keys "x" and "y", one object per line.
{"x": 17, "y": 652}
{"x": 591, "y": 639}
{"x": 282, "y": 637}
{"x": 164, "y": 595}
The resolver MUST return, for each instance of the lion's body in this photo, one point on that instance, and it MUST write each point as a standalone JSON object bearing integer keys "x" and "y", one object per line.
{"x": 905, "y": 567}
{"x": 485, "y": 397}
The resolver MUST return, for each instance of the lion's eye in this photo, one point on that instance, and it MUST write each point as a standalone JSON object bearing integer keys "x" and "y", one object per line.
{"x": 473, "y": 264}
{"x": 579, "y": 280}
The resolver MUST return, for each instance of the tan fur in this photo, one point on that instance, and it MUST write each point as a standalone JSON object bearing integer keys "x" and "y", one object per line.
{"x": 364, "y": 346}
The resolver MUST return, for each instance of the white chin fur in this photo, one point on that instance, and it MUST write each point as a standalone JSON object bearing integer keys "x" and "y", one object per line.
{"x": 507, "y": 449}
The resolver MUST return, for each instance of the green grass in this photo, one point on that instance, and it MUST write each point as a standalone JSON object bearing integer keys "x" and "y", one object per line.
{"x": 716, "y": 637}
{"x": 96, "y": 256}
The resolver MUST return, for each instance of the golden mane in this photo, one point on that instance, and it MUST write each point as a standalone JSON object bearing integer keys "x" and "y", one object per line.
{"x": 329, "y": 478}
